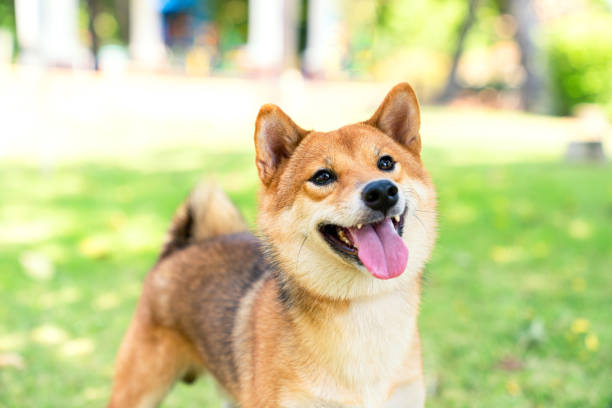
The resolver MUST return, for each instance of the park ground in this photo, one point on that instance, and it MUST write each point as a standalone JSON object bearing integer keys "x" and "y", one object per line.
{"x": 517, "y": 300}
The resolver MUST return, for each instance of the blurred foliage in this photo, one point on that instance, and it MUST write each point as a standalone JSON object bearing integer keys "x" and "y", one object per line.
{"x": 106, "y": 26}
{"x": 394, "y": 39}
{"x": 378, "y": 29}
{"x": 386, "y": 37}
{"x": 580, "y": 60}
{"x": 493, "y": 24}
{"x": 106, "y": 22}
{"x": 7, "y": 14}
{"x": 232, "y": 19}
{"x": 7, "y": 23}
{"x": 7, "y": 17}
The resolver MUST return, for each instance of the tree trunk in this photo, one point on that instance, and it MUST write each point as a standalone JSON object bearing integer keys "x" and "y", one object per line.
{"x": 452, "y": 86}
{"x": 93, "y": 11}
{"x": 122, "y": 8}
{"x": 533, "y": 90}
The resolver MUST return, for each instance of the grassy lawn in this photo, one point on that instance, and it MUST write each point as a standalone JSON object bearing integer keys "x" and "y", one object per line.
{"x": 517, "y": 306}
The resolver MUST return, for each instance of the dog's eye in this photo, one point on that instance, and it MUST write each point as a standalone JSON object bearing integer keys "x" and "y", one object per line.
{"x": 386, "y": 163}
{"x": 323, "y": 177}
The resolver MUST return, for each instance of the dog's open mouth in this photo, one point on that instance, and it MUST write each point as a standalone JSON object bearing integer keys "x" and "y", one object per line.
{"x": 377, "y": 245}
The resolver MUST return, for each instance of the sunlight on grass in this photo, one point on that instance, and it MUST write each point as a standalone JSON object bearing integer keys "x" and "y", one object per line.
{"x": 77, "y": 347}
{"x": 95, "y": 246}
{"x": 106, "y": 301}
{"x": 130, "y": 289}
{"x": 64, "y": 296}
{"x": 21, "y": 232}
{"x": 134, "y": 234}
{"x": 580, "y": 325}
{"x": 12, "y": 341}
{"x": 591, "y": 341}
{"x": 49, "y": 334}
{"x": 94, "y": 393}
{"x": 36, "y": 265}
{"x": 501, "y": 254}
{"x": 579, "y": 229}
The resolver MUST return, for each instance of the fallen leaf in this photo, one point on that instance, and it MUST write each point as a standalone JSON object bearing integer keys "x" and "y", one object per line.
{"x": 510, "y": 363}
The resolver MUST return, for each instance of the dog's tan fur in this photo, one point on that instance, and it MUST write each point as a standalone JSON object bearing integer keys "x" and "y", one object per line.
{"x": 283, "y": 320}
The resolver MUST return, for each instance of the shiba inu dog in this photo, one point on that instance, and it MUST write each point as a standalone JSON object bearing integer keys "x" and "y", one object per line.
{"x": 320, "y": 310}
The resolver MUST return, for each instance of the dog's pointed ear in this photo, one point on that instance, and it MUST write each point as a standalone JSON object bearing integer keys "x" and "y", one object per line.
{"x": 399, "y": 117}
{"x": 276, "y": 137}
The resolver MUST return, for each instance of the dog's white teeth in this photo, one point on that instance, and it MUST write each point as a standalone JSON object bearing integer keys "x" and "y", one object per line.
{"x": 396, "y": 218}
{"x": 359, "y": 226}
{"x": 343, "y": 237}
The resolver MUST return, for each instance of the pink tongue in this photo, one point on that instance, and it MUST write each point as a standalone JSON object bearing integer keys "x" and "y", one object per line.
{"x": 381, "y": 249}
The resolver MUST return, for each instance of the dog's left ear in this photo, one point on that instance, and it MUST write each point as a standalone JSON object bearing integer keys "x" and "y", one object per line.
{"x": 276, "y": 137}
{"x": 399, "y": 117}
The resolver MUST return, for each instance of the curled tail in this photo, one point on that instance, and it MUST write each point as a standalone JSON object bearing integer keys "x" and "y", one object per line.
{"x": 207, "y": 212}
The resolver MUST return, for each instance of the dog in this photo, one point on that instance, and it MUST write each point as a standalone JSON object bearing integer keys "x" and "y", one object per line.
{"x": 320, "y": 309}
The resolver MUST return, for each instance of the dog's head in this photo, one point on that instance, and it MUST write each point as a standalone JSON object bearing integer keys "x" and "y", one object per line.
{"x": 350, "y": 212}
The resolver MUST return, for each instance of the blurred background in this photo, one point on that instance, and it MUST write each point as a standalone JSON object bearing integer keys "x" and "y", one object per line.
{"x": 111, "y": 110}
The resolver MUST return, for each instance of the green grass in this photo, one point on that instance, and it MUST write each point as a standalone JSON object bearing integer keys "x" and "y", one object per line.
{"x": 516, "y": 312}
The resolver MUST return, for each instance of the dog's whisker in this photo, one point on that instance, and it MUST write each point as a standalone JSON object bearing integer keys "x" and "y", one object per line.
{"x": 297, "y": 260}
{"x": 413, "y": 191}
{"x": 421, "y": 222}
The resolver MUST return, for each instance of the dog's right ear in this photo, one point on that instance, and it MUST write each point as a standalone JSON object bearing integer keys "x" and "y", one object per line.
{"x": 276, "y": 137}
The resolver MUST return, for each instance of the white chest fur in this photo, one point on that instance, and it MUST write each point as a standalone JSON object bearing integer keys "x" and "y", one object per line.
{"x": 364, "y": 350}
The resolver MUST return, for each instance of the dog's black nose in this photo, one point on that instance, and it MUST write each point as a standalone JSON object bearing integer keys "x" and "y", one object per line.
{"x": 380, "y": 195}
